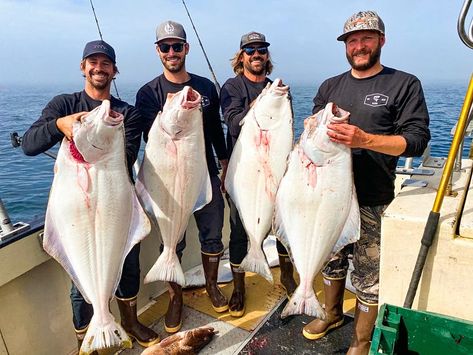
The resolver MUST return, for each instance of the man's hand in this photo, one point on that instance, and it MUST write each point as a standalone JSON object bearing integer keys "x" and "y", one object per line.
{"x": 65, "y": 124}
{"x": 350, "y": 135}
{"x": 355, "y": 137}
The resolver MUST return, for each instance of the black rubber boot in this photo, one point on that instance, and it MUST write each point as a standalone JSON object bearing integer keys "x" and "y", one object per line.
{"x": 210, "y": 264}
{"x": 129, "y": 320}
{"x": 173, "y": 318}
{"x": 236, "y": 304}
{"x": 287, "y": 274}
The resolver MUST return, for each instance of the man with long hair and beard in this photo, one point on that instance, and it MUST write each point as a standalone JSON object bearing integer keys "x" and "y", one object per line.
{"x": 251, "y": 64}
{"x": 388, "y": 118}
{"x": 172, "y": 48}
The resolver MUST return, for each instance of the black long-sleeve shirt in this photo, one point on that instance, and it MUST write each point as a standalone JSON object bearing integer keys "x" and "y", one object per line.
{"x": 150, "y": 100}
{"x": 44, "y": 133}
{"x": 235, "y": 98}
{"x": 389, "y": 103}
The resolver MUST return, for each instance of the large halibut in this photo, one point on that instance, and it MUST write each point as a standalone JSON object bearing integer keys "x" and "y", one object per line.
{"x": 257, "y": 165}
{"x": 94, "y": 218}
{"x": 316, "y": 206}
{"x": 173, "y": 181}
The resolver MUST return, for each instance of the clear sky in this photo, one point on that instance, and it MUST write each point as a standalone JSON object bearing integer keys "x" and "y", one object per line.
{"x": 41, "y": 41}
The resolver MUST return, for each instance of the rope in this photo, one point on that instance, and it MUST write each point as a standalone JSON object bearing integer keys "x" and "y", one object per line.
{"x": 101, "y": 37}
{"x": 217, "y": 85}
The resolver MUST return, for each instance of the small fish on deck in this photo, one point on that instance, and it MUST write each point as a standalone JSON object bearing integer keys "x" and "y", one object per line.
{"x": 188, "y": 342}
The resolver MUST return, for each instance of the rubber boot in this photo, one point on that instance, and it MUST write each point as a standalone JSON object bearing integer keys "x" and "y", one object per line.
{"x": 236, "y": 304}
{"x": 173, "y": 318}
{"x": 365, "y": 316}
{"x": 287, "y": 274}
{"x": 129, "y": 320}
{"x": 218, "y": 300}
{"x": 80, "y": 334}
{"x": 333, "y": 290}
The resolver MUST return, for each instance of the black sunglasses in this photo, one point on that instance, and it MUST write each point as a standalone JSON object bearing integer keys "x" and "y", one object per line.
{"x": 176, "y": 47}
{"x": 251, "y": 50}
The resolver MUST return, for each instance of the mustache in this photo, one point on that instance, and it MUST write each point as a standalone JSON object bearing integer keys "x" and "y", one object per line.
{"x": 361, "y": 52}
{"x": 254, "y": 58}
{"x": 98, "y": 72}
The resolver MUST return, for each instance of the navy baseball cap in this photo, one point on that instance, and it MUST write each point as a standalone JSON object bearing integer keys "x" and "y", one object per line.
{"x": 99, "y": 47}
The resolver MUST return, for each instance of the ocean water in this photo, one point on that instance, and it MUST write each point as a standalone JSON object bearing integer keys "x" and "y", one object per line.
{"x": 25, "y": 181}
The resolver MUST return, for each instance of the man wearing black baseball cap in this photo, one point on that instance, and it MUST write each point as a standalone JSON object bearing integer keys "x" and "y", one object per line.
{"x": 388, "y": 118}
{"x": 99, "y": 68}
{"x": 252, "y": 65}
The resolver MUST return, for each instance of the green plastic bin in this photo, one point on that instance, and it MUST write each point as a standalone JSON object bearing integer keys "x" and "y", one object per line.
{"x": 405, "y": 331}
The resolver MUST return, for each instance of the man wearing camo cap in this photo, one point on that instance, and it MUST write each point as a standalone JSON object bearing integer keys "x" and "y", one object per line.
{"x": 388, "y": 118}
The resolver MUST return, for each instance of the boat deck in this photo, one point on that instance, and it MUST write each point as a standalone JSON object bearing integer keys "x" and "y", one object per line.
{"x": 260, "y": 330}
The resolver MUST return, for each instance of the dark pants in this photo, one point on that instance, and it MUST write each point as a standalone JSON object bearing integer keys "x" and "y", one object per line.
{"x": 127, "y": 288}
{"x": 209, "y": 222}
{"x": 239, "y": 239}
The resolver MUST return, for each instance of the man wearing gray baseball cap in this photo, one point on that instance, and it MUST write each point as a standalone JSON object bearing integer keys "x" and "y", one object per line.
{"x": 172, "y": 48}
{"x": 388, "y": 118}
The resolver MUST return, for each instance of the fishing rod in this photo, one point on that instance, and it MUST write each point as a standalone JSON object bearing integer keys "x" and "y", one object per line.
{"x": 101, "y": 37}
{"x": 217, "y": 85}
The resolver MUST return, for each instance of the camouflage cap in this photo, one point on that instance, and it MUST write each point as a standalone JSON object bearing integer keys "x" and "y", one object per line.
{"x": 362, "y": 21}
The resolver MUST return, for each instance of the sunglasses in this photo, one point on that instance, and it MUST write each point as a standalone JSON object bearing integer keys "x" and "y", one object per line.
{"x": 252, "y": 50}
{"x": 176, "y": 47}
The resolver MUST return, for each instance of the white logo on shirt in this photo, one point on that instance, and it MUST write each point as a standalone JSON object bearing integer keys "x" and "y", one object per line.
{"x": 376, "y": 100}
{"x": 205, "y": 101}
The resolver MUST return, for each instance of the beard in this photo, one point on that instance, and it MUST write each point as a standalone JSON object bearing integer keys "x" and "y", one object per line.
{"x": 174, "y": 68}
{"x": 373, "y": 58}
{"x": 99, "y": 85}
{"x": 259, "y": 70}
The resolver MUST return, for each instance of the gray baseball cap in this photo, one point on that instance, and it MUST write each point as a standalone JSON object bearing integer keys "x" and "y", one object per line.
{"x": 96, "y": 47}
{"x": 362, "y": 21}
{"x": 253, "y": 37}
{"x": 170, "y": 29}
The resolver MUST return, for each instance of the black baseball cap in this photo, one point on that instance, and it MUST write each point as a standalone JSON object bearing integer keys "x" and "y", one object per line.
{"x": 99, "y": 47}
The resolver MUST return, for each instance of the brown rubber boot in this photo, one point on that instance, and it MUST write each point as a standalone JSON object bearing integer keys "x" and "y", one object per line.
{"x": 365, "y": 317}
{"x": 129, "y": 320}
{"x": 80, "y": 334}
{"x": 236, "y": 304}
{"x": 333, "y": 290}
{"x": 173, "y": 318}
{"x": 287, "y": 274}
{"x": 218, "y": 300}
